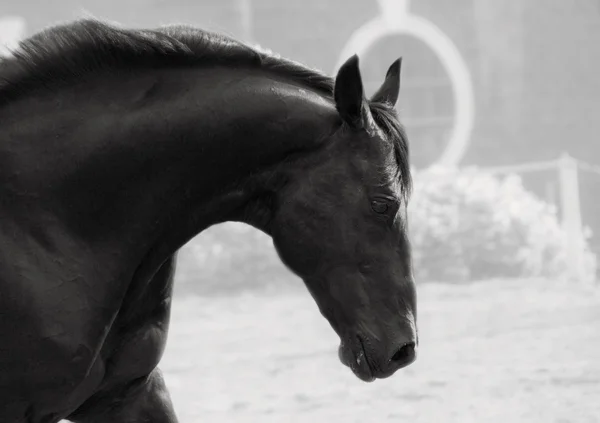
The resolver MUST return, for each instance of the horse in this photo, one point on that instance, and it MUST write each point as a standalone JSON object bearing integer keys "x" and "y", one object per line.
{"x": 117, "y": 146}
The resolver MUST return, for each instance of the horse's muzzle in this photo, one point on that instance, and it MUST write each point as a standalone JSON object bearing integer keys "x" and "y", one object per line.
{"x": 363, "y": 363}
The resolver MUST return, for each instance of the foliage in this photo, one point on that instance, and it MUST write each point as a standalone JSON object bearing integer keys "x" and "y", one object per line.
{"x": 470, "y": 225}
{"x": 231, "y": 257}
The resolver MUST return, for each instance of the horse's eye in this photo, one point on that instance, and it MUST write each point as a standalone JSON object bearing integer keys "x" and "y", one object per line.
{"x": 379, "y": 206}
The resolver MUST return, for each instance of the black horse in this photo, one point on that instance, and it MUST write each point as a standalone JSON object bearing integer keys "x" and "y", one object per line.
{"x": 118, "y": 146}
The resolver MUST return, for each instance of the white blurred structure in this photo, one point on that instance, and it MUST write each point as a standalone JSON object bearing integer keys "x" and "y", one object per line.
{"x": 396, "y": 18}
{"x": 12, "y": 29}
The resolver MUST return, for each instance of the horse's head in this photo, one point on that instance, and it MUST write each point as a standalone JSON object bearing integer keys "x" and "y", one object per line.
{"x": 341, "y": 225}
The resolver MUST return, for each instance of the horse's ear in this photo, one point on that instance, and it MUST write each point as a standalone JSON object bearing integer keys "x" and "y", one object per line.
{"x": 348, "y": 93}
{"x": 390, "y": 89}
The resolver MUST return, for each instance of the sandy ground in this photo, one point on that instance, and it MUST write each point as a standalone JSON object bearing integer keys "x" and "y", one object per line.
{"x": 505, "y": 351}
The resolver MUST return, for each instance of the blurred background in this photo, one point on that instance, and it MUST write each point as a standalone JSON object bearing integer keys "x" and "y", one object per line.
{"x": 501, "y": 105}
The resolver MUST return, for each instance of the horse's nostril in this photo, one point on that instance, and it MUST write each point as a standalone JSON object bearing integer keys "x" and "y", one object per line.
{"x": 405, "y": 355}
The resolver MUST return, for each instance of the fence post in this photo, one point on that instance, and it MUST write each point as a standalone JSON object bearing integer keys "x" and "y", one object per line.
{"x": 571, "y": 214}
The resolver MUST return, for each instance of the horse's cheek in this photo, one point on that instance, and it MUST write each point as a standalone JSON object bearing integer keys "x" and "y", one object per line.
{"x": 301, "y": 254}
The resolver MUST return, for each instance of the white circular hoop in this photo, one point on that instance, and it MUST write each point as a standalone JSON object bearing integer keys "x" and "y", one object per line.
{"x": 460, "y": 77}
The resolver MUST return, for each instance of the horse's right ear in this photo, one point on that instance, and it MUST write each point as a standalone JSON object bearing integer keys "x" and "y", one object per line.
{"x": 390, "y": 89}
{"x": 349, "y": 94}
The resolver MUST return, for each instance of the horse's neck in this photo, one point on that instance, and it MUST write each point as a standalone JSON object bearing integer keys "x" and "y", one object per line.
{"x": 198, "y": 129}
{"x": 226, "y": 125}
{"x": 193, "y": 138}
{"x": 140, "y": 164}
{"x": 225, "y": 133}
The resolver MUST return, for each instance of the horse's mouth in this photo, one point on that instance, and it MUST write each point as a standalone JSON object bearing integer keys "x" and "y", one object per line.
{"x": 352, "y": 354}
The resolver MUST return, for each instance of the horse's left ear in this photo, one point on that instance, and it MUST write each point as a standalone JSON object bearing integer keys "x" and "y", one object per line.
{"x": 390, "y": 89}
{"x": 349, "y": 95}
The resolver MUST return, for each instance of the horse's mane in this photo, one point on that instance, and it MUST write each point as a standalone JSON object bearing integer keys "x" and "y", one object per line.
{"x": 71, "y": 50}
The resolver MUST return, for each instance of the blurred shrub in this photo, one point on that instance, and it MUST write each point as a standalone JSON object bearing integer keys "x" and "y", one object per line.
{"x": 470, "y": 225}
{"x": 231, "y": 257}
{"x": 464, "y": 225}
